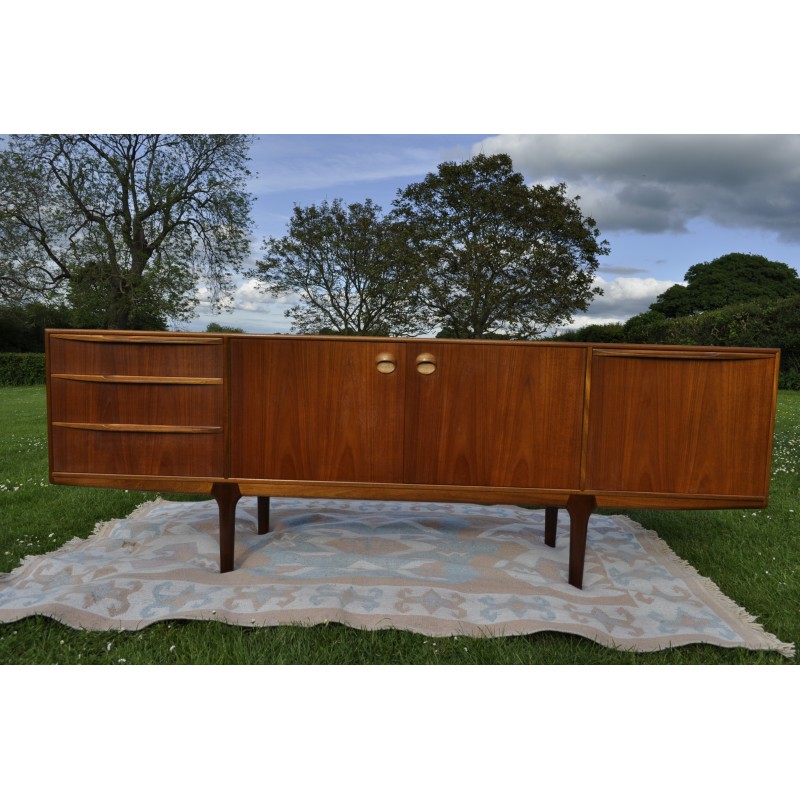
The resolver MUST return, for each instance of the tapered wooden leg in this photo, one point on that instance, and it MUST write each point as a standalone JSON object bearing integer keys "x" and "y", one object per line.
{"x": 263, "y": 515}
{"x": 580, "y": 508}
{"x": 550, "y": 523}
{"x": 227, "y": 496}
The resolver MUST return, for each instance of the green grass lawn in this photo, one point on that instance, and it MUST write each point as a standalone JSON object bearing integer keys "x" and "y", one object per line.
{"x": 753, "y": 556}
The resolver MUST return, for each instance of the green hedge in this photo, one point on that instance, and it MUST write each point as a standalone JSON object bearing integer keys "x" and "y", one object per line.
{"x": 21, "y": 369}
{"x": 757, "y": 324}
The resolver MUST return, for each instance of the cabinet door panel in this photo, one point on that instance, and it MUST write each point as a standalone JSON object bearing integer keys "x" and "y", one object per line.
{"x": 316, "y": 410}
{"x": 495, "y": 415}
{"x": 683, "y": 423}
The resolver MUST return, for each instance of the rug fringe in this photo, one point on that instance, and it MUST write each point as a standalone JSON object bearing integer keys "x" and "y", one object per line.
{"x": 138, "y": 511}
{"x": 786, "y": 649}
{"x": 76, "y": 541}
{"x": 144, "y": 507}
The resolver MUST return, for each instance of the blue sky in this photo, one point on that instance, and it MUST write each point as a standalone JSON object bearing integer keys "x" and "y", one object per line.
{"x": 662, "y": 122}
{"x": 663, "y": 202}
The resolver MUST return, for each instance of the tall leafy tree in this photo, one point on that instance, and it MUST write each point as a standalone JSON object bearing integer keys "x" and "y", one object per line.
{"x": 127, "y": 227}
{"x": 497, "y": 257}
{"x": 340, "y": 262}
{"x": 728, "y": 280}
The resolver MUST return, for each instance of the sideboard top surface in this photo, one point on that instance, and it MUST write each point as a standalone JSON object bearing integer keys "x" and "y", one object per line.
{"x": 174, "y": 336}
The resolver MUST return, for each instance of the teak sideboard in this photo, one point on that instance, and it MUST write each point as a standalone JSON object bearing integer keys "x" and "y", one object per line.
{"x": 569, "y": 425}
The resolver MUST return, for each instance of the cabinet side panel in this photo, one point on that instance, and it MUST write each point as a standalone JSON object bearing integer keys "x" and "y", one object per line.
{"x": 315, "y": 411}
{"x": 683, "y": 425}
{"x": 496, "y": 415}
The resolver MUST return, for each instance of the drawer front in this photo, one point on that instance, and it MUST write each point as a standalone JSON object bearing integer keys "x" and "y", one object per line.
{"x": 114, "y": 452}
{"x": 166, "y": 356}
{"x": 136, "y": 403}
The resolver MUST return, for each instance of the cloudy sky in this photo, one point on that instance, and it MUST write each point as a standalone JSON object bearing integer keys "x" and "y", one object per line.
{"x": 672, "y": 113}
{"x": 663, "y": 202}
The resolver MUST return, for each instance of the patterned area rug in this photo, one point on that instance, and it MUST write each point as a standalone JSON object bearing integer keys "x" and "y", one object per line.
{"x": 437, "y": 569}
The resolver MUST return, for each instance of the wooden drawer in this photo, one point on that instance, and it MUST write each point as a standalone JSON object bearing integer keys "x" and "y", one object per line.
{"x": 83, "y": 400}
{"x": 136, "y": 404}
{"x": 107, "y": 354}
{"x": 146, "y": 452}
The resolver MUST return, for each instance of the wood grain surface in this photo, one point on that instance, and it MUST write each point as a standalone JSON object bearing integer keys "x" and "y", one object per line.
{"x": 495, "y": 416}
{"x": 694, "y": 426}
{"x": 84, "y": 356}
{"x": 316, "y": 411}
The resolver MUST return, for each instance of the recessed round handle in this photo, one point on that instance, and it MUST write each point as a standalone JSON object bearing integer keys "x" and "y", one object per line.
{"x": 426, "y": 363}
{"x": 386, "y": 363}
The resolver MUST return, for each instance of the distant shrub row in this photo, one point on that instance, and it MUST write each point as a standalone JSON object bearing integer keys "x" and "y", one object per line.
{"x": 21, "y": 369}
{"x": 764, "y": 324}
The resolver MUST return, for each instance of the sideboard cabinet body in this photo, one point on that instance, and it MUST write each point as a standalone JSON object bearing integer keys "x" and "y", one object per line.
{"x": 572, "y": 425}
{"x": 484, "y": 417}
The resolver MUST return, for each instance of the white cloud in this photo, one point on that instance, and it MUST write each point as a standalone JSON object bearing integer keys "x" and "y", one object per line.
{"x": 622, "y": 299}
{"x": 657, "y": 183}
{"x": 247, "y": 297}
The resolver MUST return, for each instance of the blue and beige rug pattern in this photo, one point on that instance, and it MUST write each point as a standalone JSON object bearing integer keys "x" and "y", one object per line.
{"x": 433, "y": 568}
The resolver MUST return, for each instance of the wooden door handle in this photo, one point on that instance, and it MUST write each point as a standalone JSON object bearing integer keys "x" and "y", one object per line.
{"x": 386, "y": 363}
{"x": 426, "y": 363}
